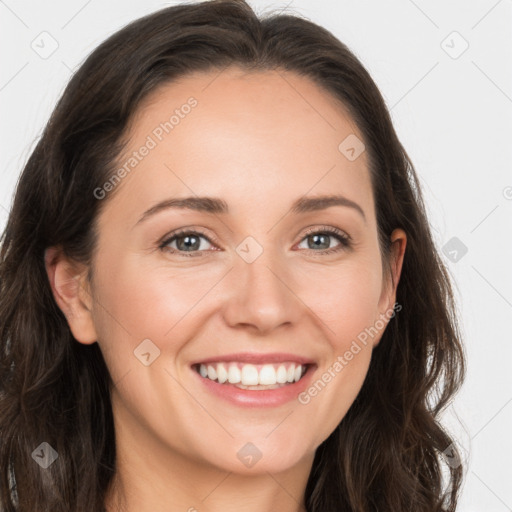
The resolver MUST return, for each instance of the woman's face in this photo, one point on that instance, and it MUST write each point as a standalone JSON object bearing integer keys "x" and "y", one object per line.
{"x": 250, "y": 274}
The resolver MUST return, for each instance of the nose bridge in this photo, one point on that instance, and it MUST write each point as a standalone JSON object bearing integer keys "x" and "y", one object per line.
{"x": 261, "y": 291}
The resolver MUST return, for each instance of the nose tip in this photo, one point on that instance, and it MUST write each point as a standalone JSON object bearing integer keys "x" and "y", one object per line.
{"x": 259, "y": 295}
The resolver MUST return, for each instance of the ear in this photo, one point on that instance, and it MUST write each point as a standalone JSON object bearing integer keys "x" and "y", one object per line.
{"x": 71, "y": 292}
{"x": 390, "y": 284}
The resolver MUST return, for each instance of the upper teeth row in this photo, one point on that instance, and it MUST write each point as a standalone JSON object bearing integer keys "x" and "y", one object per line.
{"x": 250, "y": 374}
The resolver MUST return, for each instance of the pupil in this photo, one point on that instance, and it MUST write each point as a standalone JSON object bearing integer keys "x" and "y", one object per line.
{"x": 316, "y": 237}
{"x": 187, "y": 244}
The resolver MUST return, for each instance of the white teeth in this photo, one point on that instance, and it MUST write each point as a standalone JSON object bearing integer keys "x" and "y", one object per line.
{"x": 249, "y": 375}
{"x": 234, "y": 374}
{"x": 267, "y": 375}
{"x": 222, "y": 374}
{"x": 281, "y": 376}
{"x": 212, "y": 373}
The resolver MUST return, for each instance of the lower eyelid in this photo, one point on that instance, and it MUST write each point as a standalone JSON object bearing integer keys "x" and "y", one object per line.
{"x": 343, "y": 239}
{"x": 174, "y": 237}
{"x": 343, "y": 243}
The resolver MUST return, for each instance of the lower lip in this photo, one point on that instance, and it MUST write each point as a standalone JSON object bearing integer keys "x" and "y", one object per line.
{"x": 258, "y": 398}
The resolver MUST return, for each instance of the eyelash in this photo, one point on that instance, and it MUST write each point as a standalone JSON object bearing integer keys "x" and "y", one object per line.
{"x": 343, "y": 238}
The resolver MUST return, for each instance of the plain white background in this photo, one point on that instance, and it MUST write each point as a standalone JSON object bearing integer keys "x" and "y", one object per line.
{"x": 445, "y": 70}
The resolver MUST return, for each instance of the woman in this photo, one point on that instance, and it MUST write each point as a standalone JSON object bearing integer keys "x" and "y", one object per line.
{"x": 175, "y": 336}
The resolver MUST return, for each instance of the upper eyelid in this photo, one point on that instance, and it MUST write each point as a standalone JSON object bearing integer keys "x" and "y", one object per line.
{"x": 187, "y": 231}
{"x": 330, "y": 230}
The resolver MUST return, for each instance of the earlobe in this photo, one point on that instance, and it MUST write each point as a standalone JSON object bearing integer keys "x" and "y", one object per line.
{"x": 67, "y": 281}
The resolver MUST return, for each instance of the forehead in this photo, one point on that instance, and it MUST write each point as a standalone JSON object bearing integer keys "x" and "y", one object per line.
{"x": 252, "y": 138}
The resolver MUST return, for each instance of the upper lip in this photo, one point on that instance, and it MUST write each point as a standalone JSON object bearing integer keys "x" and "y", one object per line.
{"x": 255, "y": 358}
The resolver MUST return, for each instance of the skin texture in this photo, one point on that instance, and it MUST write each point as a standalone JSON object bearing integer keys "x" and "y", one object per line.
{"x": 259, "y": 141}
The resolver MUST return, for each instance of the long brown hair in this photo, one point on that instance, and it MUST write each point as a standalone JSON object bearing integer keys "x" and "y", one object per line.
{"x": 386, "y": 454}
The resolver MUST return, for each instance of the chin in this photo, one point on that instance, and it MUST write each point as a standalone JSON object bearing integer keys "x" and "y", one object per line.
{"x": 261, "y": 456}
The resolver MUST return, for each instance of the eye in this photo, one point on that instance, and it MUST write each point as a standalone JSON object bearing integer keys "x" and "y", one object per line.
{"x": 320, "y": 239}
{"x": 188, "y": 243}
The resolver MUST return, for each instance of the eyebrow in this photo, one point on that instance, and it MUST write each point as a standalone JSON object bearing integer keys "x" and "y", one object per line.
{"x": 215, "y": 205}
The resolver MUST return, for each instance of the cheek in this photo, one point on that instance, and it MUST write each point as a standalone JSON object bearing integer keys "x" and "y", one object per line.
{"x": 346, "y": 307}
{"x": 136, "y": 302}
{"x": 143, "y": 301}
{"x": 151, "y": 301}
{"x": 128, "y": 309}
{"x": 335, "y": 388}
{"x": 345, "y": 299}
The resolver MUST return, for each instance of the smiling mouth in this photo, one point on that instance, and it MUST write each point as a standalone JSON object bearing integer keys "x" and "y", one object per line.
{"x": 253, "y": 376}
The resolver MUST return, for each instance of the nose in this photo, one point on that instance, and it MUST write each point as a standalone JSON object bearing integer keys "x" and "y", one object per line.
{"x": 262, "y": 295}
